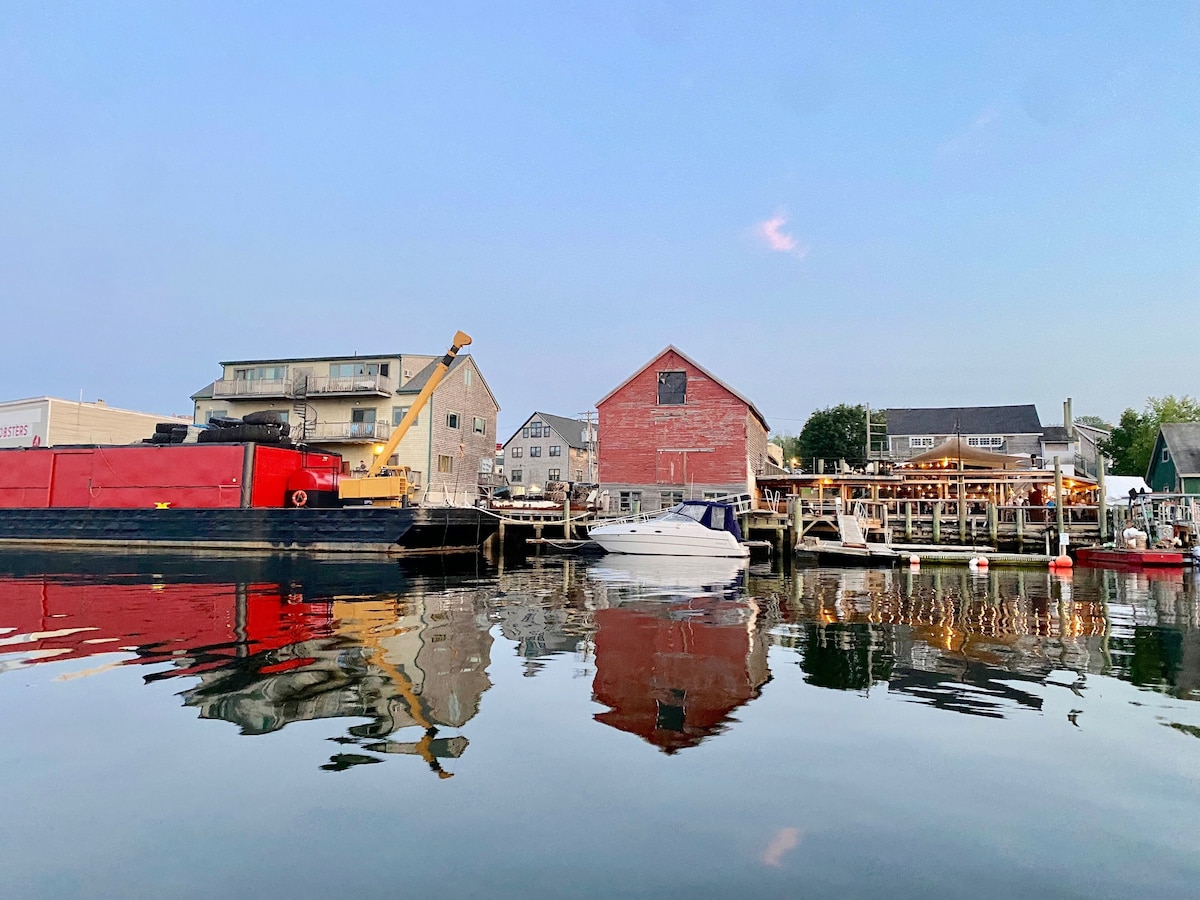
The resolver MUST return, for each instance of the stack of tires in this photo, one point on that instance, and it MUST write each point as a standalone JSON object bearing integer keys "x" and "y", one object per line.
{"x": 168, "y": 433}
{"x": 263, "y": 427}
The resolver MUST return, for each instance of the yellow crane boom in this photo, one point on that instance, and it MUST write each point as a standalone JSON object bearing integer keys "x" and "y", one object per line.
{"x": 389, "y": 487}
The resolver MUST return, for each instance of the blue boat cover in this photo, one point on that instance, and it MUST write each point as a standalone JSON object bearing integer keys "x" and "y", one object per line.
{"x": 711, "y": 514}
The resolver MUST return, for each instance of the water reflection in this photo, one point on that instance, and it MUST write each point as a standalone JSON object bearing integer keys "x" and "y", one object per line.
{"x": 677, "y": 649}
{"x": 672, "y": 649}
{"x": 274, "y": 642}
{"x": 980, "y": 644}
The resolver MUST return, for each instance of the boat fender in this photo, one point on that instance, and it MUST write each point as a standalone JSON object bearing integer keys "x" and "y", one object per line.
{"x": 300, "y": 498}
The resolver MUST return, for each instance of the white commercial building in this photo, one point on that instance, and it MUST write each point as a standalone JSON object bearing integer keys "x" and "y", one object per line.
{"x": 50, "y": 422}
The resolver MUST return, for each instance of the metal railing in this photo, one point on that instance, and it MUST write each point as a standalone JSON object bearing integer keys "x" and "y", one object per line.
{"x": 356, "y": 431}
{"x": 252, "y": 387}
{"x": 350, "y": 384}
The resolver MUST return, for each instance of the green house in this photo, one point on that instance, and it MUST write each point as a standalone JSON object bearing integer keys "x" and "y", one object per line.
{"x": 1175, "y": 464}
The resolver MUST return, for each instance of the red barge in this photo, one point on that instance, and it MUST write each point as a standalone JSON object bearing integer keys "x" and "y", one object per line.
{"x": 241, "y": 496}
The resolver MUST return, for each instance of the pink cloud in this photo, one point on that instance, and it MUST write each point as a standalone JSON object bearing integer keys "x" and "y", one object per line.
{"x": 772, "y": 234}
{"x": 784, "y": 841}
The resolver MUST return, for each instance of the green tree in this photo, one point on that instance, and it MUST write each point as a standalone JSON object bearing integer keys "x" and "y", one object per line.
{"x": 1132, "y": 440}
{"x": 836, "y": 432}
{"x": 790, "y": 444}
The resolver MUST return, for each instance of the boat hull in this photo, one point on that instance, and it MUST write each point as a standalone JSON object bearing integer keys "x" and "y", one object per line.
{"x": 408, "y": 530}
{"x": 644, "y": 539}
{"x": 1117, "y": 558}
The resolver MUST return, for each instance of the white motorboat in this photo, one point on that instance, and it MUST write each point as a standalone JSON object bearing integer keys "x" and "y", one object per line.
{"x": 692, "y": 528}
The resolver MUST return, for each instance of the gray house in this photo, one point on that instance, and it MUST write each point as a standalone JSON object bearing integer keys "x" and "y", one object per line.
{"x": 550, "y": 448}
{"x": 1013, "y": 430}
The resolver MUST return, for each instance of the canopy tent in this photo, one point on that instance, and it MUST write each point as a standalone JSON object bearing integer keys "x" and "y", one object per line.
{"x": 1117, "y": 487}
{"x": 954, "y": 449}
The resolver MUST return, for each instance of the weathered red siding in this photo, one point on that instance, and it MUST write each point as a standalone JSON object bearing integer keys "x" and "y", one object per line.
{"x": 643, "y": 443}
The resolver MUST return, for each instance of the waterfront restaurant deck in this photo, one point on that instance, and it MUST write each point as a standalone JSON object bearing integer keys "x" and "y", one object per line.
{"x": 939, "y": 500}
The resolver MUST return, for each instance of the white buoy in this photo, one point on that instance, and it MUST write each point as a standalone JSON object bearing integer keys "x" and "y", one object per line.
{"x": 973, "y": 562}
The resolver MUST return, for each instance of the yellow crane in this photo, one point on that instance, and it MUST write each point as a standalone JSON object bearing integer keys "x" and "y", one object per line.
{"x": 390, "y": 486}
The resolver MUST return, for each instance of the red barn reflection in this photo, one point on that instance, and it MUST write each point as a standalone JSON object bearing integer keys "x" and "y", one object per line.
{"x": 673, "y": 673}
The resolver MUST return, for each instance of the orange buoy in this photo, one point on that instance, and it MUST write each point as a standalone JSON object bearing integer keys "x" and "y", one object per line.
{"x": 1063, "y": 562}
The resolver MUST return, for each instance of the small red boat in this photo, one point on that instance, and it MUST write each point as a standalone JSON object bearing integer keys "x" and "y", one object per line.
{"x": 1115, "y": 557}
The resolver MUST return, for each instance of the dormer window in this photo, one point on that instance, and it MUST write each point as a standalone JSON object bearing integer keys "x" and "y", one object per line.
{"x": 672, "y": 388}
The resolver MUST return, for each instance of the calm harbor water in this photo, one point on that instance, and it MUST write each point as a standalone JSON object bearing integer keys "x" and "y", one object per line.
{"x": 612, "y": 727}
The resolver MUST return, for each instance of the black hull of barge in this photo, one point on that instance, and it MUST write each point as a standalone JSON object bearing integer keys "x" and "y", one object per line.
{"x": 364, "y": 529}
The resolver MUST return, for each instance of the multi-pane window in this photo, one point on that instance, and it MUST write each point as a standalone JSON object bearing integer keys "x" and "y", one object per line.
{"x": 468, "y": 377}
{"x": 670, "y": 498}
{"x": 554, "y": 475}
{"x": 555, "y": 450}
{"x": 525, "y": 432}
{"x": 260, "y": 373}
{"x": 452, "y": 420}
{"x": 351, "y": 370}
{"x": 479, "y": 426}
{"x": 920, "y": 442}
{"x": 672, "y": 388}
{"x": 445, "y": 464}
{"x": 216, "y": 414}
{"x": 535, "y": 451}
{"x": 987, "y": 441}
{"x": 516, "y": 452}
{"x": 515, "y": 476}
{"x": 398, "y": 414}
{"x": 629, "y": 501}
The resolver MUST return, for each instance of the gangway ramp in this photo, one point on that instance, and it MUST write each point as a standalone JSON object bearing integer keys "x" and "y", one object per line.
{"x": 850, "y": 531}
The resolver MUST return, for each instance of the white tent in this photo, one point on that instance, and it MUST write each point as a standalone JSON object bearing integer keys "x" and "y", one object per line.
{"x": 1116, "y": 487}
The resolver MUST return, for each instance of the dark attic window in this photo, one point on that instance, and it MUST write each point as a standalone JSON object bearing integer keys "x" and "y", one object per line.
{"x": 672, "y": 388}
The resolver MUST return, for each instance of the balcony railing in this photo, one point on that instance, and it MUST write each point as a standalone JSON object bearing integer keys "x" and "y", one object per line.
{"x": 313, "y": 384}
{"x": 252, "y": 387}
{"x": 348, "y": 431}
{"x": 350, "y": 384}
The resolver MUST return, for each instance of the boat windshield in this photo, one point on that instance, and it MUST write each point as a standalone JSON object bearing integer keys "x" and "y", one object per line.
{"x": 685, "y": 512}
{"x": 709, "y": 513}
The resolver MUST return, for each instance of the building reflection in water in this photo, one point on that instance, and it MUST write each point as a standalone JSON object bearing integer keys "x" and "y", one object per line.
{"x": 677, "y": 649}
{"x": 672, "y": 648}
{"x": 268, "y": 647}
{"x": 986, "y": 644}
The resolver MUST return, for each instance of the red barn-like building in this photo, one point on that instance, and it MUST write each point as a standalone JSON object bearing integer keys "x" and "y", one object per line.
{"x": 675, "y": 431}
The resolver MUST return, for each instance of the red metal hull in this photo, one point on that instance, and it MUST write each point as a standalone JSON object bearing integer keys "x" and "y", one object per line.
{"x": 1112, "y": 557}
{"x": 174, "y": 476}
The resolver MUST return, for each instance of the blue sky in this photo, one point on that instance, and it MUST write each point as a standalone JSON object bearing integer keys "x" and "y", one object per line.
{"x": 902, "y": 204}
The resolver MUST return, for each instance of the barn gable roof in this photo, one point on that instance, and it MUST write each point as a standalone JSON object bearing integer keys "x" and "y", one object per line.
{"x": 671, "y": 348}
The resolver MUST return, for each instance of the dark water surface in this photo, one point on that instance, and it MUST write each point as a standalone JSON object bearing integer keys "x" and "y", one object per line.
{"x": 185, "y": 727}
